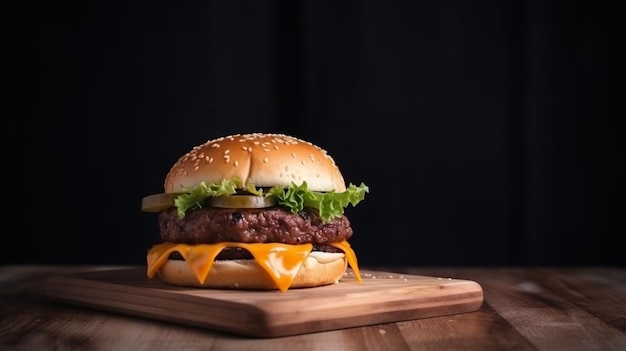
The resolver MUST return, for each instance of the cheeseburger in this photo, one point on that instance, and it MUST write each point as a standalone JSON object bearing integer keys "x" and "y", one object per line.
{"x": 253, "y": 211}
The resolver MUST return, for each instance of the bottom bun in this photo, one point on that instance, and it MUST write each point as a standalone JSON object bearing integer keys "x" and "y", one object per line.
{"x": 320, "y": 268}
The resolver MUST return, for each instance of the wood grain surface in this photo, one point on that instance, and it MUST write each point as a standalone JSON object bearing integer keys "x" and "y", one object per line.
{"x": 578, "y": 308}
{"x": 382, "y": 297}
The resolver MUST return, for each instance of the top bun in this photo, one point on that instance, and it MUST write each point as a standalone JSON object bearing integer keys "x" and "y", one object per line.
{"x": 265, "y": 160}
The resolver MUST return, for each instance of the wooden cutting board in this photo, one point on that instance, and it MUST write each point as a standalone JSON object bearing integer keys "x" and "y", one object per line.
{"x": 382, "y": 297}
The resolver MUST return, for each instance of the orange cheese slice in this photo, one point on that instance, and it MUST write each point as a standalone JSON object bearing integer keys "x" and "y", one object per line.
{"x": 281, "y": 261}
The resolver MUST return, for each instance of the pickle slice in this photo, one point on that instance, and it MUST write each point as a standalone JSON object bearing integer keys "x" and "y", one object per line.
{"x": 158, "y": 202}
{"x": 242, "y": 201}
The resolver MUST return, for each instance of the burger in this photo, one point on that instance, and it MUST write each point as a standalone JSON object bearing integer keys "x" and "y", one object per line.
{"x": 253, "y": 211}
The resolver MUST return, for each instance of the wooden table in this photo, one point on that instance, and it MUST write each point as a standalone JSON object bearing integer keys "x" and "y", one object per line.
{"x": 523, "y": 309}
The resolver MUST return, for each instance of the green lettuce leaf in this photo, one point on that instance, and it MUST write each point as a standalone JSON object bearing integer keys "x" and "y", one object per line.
{"x": 193, "y": 198}
{"x": 330, "y": 205}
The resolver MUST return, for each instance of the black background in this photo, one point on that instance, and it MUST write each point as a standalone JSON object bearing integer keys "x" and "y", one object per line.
{"x": 487, "y": 131}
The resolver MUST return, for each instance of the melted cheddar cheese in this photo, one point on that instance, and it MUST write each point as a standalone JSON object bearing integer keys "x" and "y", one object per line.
{"x": 281, "y": 261}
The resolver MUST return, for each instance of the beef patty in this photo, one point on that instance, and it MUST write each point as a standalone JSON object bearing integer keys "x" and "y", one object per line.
{"x": 264, "y": 225}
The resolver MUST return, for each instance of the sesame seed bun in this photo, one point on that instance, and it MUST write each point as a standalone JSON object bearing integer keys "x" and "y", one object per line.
{"x": 265, "y": 160}
{"x": 320, "y": 268}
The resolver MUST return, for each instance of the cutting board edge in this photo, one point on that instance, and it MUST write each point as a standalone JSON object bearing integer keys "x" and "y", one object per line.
{"x": 84, "y": 293}
{"x": 462, "y": 306}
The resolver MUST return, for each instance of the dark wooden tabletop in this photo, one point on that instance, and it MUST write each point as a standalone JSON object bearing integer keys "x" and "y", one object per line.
{"x": 524, "y": 309}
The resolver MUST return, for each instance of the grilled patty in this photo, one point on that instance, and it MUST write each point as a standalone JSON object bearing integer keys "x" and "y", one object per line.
{"x": 275, "y": 224}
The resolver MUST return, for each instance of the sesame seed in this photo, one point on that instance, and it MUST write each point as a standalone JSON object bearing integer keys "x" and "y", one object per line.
{"x": 236, "y": 163}
{"x": 266, "y": 150}
{"x": 226, "y": 152}
{"x": 265, "y": 159}
{"x": 293, "y": 155}
{"x": 215, "y": 145}
{"x": 196, "y": 168}
{"x": 210, "y": 159}
{"x": 303, "y": 162}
